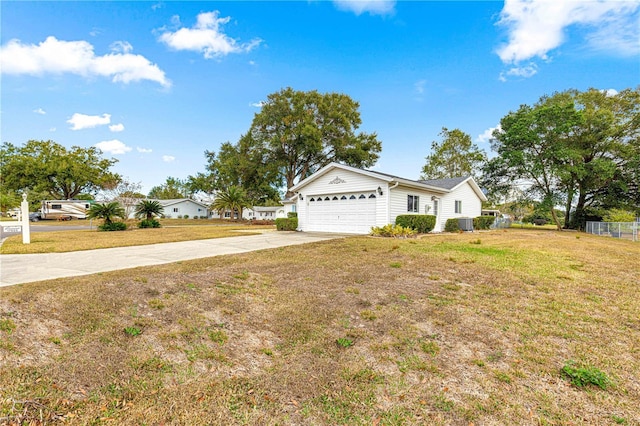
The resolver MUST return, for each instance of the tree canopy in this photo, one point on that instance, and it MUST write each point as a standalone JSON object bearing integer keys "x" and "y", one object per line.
{"x": 50, "y": 168}
{"x": 577, "y": 149}
{"x": 172, "y": 188}
{"x": 456, "y": 155}
{"x": 294, "y": 134}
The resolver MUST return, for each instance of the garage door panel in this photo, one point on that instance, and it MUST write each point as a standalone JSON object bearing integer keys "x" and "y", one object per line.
{"x": 347, "y": 212}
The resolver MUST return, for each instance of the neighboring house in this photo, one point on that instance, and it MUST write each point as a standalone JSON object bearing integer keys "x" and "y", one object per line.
{"x": 264, "y": 213}
{"x": 181, "y": 207}
{"x": 339, "y": 198}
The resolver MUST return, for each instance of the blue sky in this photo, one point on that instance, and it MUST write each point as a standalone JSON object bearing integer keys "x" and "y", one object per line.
{"x": 155, "y": 84}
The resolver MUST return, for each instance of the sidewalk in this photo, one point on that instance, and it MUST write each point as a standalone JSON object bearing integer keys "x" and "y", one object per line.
{"x": 24, "y": 268}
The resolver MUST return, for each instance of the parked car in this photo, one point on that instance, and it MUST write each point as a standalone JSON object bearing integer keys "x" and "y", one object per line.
{"x": 34, "y": 216}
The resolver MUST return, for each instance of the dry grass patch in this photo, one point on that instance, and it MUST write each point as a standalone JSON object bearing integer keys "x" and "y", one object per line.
{"x": 65, "y": 241}
{"x": 328, "y": 333}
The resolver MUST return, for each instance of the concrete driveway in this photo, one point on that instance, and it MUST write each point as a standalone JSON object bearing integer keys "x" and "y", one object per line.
{"x": 24, "y": 268}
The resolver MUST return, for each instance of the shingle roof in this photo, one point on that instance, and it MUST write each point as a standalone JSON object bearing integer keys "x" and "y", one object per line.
{"x": 448, "y": 183}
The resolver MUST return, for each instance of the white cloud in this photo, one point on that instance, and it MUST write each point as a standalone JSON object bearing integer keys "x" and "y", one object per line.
{"x": 487, "y": 135}
{"x": 536, "y": 27}
{"x": 81, "y": 121}
{"x": 113, "y": 147}
{"x": 168, "y": 158}
{"x": 206, "y": 36}
{"x": 144, "y": 150}
{"x": 121, "y": 47}
{"x": 419, "y": 86}
{"x": 53, "y": 129}
{"x": 77, "y": 57}
{"x": 373, "y": 7}
{"x": 258, "y": 104}
{"x": 610, "y": 92}
{"x": 525, "y": 72}
{"x": 40, "y": 111}
{"x": 116, "y": 127}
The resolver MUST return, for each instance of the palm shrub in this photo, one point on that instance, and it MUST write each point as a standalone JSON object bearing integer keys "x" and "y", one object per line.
{"x": 113, "y": 226}
{"x": 149, "y": 223}
{"x": 148, "y": 209}
{"x": 106, "y": 212}
{"x": 233, "y": 199}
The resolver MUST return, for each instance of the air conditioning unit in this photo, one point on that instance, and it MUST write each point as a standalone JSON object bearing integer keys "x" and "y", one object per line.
{"x": 465, "y": 224}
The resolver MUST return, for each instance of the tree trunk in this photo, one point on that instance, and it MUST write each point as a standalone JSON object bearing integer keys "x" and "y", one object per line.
{"x": 578, "y": 217}
{"x": 567, "y": 211}
{"x": 555, "y": 218}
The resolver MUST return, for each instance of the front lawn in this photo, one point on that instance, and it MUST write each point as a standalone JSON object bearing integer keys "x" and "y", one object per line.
{"x": 501, "y": 327}
{"x": 64, "y": 241}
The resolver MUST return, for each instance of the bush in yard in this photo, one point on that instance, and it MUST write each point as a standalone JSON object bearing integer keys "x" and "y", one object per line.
{"x": 288, "y": 224}
{"x": 421, "y": 223}
{"x": 292, "y": 214}
{"x": 452, "y": 225}
{"x": 186, "y": 216}
{"x": 113, "y": 226}
{"x": 483, "y": 222}
{"x": 394, "y": 231}
{"x": 149, "y": 223}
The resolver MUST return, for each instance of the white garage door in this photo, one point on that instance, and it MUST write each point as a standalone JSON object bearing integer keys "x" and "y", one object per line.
{"x": 353, "y": 213}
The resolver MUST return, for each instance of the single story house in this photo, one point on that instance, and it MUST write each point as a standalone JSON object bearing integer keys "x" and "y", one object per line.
{"x": 339, "y": 198}
{"x": 179, "y": 208}
{"x": 264, "y": 213}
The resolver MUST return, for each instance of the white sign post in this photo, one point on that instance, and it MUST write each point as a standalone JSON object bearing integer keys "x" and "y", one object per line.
{"x": 26, "y": 228}
{"x": 22, "y": 224}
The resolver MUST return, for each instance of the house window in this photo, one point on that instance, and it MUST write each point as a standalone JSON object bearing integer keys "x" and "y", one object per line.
{"x": 412, "y": 203}
{"x": 458, "y": 206}
{"x": 227, "y": 214}
{"x": 175, "y": 210}
{"x": 293, "y": 208}
{"x": 435, "y": 207}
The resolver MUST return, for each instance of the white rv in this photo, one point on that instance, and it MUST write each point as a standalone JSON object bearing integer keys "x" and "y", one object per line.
{"x": 65, "y": 209}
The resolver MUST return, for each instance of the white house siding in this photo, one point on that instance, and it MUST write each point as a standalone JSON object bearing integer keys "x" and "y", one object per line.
{"x": 399, "y": 202}
{"x": 347, "y": 215}
{"x": 185, "y": 208}
{"x": 471, "y": 204}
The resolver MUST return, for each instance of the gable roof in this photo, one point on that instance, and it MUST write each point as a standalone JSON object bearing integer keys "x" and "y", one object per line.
{"x": 166, "y": 203}
{"x": 448, "y": 183}
{"x": 436, "y": 185}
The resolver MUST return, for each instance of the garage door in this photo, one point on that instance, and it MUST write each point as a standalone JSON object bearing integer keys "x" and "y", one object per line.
{"x": 353, "y": 213}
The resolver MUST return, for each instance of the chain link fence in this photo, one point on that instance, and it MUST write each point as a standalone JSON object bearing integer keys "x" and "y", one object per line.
{"x": 624, "y": 230}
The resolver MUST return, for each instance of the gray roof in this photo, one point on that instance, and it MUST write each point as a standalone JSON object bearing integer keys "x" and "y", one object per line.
{"x": 448, "y": 183}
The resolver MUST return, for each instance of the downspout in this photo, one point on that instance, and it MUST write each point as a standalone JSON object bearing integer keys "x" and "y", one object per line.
{"x": 389, "y": 201}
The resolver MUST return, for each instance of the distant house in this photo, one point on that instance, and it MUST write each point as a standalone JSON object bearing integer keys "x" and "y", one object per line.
{"x": 339, "y": 198}
{"x": 181, "y": 207}
{"x": 264, "y": 213}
